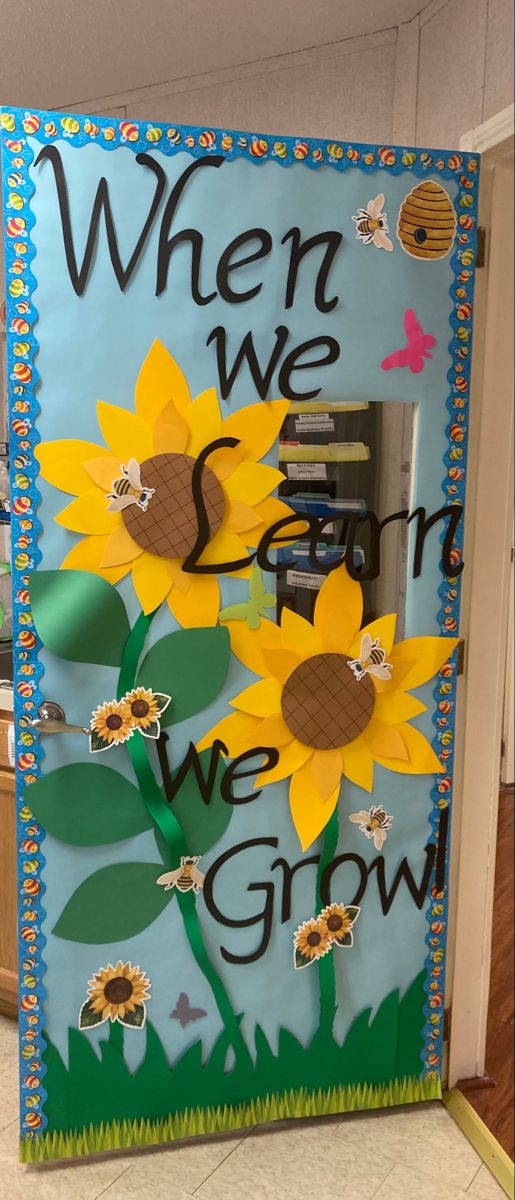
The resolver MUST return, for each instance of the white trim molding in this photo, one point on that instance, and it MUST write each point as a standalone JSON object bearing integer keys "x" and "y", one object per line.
{"x": 491, "y": 133}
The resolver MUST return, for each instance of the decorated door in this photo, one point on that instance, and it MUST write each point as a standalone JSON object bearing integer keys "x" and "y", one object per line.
{"x": 238, "y": 373}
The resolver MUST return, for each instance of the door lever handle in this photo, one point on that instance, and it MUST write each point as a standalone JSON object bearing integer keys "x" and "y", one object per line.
{"x": 51, "y": 718}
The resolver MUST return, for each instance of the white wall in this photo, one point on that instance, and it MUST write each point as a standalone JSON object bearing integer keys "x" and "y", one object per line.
{"x": 425, "y": 82}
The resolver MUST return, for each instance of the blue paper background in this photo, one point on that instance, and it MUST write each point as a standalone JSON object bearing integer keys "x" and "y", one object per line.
{"x": 91, "y": 348}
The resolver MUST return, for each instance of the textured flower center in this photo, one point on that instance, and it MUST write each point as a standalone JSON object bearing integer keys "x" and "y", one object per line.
{"x": 114, "y": 722}
{"x": 118, "y": 990}
{"x": 313, "y": 939}
{"x": 335, "y": 923}
{"x": 323, "y": 703}
{"x": 140, "y": 708}
{"x": 169, "y": 526}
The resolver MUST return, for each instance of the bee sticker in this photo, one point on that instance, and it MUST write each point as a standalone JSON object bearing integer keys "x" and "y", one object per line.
{"x": 128, "y": 489}
{"x": 374, "y": 824}
{"x": 185, "y": 878}
{"x": 251, "y": 610}
{"x": 372, "y": 225}
{"x": 371, "y": 661}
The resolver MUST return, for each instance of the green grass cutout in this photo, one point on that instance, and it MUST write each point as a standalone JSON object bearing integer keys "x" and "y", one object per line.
{"x": 119, "y": 1135}
{"x": 96, "y": 1098}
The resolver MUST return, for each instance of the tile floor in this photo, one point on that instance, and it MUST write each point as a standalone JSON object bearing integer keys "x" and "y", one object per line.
{"x": 411, "y": 1153}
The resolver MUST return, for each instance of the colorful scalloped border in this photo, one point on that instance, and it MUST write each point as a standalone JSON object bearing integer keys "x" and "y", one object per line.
{"x": 15, "y": 126}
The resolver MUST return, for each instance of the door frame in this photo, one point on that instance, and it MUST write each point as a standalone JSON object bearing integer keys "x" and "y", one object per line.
{"x": 484, "y": 617}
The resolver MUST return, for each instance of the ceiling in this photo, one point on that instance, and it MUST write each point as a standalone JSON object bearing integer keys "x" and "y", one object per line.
{"x": 55, "y": 53}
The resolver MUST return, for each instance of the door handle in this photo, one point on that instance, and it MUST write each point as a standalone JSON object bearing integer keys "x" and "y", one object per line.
{"x": 51, "y": 718}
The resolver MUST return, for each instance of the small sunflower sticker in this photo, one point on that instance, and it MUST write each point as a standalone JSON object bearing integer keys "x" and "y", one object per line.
{"x": 115, "y": 721}
{"x": 110, "y": 726}
{"x": 143, "y": 709}
{"x": 133, "y": 506}
{"x": 310, "y": 942}
{"x": 316, "y": 937}
{"x": 118, "y": 994}
{"x": 337, "y": 920}
{"x": 333, "y": 698}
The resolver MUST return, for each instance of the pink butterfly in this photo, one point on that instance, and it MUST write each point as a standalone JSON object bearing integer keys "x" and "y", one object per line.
{"x": 416, "y": 350}
{"x": 184, "y": 1013}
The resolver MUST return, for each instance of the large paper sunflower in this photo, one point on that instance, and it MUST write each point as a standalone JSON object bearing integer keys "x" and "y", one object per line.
{"x": 325, "y": 721}
{"x": 163, "y": 438}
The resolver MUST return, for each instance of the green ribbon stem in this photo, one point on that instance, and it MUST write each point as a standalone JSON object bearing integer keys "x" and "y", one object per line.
{"x": 167, "y": 822}
{"x": 326, "y": 974}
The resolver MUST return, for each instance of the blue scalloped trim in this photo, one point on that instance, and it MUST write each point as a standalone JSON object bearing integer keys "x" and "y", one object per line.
{"x": 109, "y": 133}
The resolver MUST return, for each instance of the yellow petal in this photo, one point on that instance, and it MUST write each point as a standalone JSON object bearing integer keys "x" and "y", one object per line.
{"x": 247, "y": 644}
{"x": 225, "y": 547}
{"x": 103, "y": 471}
{"x": 234, "y": 731}
{"x": 309, "y": 810}
{"x": 419, "y": 658}
{"x": 160, "y": 380}
{"x": 358, "y": 764}
{"x": 152, "y": 580}
{"x": 61, "y": 464}
{"x": 240, "y": 518}
{"x": 384, "y": 740}
{"x": 421, "y": 758}
{"x": 203, "y": 421}
{"x": 120, "y": 548}
{"x": 338, "y": 610}
{"x": 261, "y": 699}
{"x": 224, "y": 461}
{"x": 251, "y": 482}
{"x": 273, "y": 731}
{"x": 291, "y": 757}
{"x": 125, "y": 433}
{"x": 383, "y": 628}
{"x": 256, "y": 426}
{"x": 270, "y": 510}
{"x": 170, "y": 432}
{"x": 397, "y": 706}
{"x": 88, "y": 514}
{"x": 326, "y": 766}
{"x": 198, "y": 606}
{"x": 280, "y": 663}
{"x": 88, "y": 554}
{"x": 299, "y": 635}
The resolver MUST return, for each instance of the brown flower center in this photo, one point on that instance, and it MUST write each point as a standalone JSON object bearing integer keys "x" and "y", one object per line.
{"x": 313, "y": 939}
{"x": 140, "y": 708}
{"x": 114, "y": 722}
{"x": 334, "y": 923}
{"x": 118, "y": 990}
{"x": 323, "y": 703}
{"x": 169, "y": 526}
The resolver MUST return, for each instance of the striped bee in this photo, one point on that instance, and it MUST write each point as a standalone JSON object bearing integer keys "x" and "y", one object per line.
{"x": 371, "y": 661}
{"x": 372, "y": 225}
{"x": 128, "y": 489}
{"x": 374, "y": 824}
{"x": 186, "y": 878}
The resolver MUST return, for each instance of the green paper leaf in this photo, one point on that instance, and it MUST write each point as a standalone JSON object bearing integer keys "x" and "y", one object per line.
{"x": 301, "y": 960}
{"x": 88, "y": 1018}
{"x": 115, "y": 903}
{"x": 190, "y": 666}
{"x": 79, "y": 616}
{"x": 86, "y": 804}
{"x": 136, "y": 1019}
{"x": 202, "y": 824}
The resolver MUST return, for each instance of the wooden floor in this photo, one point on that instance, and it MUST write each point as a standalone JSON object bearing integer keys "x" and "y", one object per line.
{"x": 495, "y": 1105}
